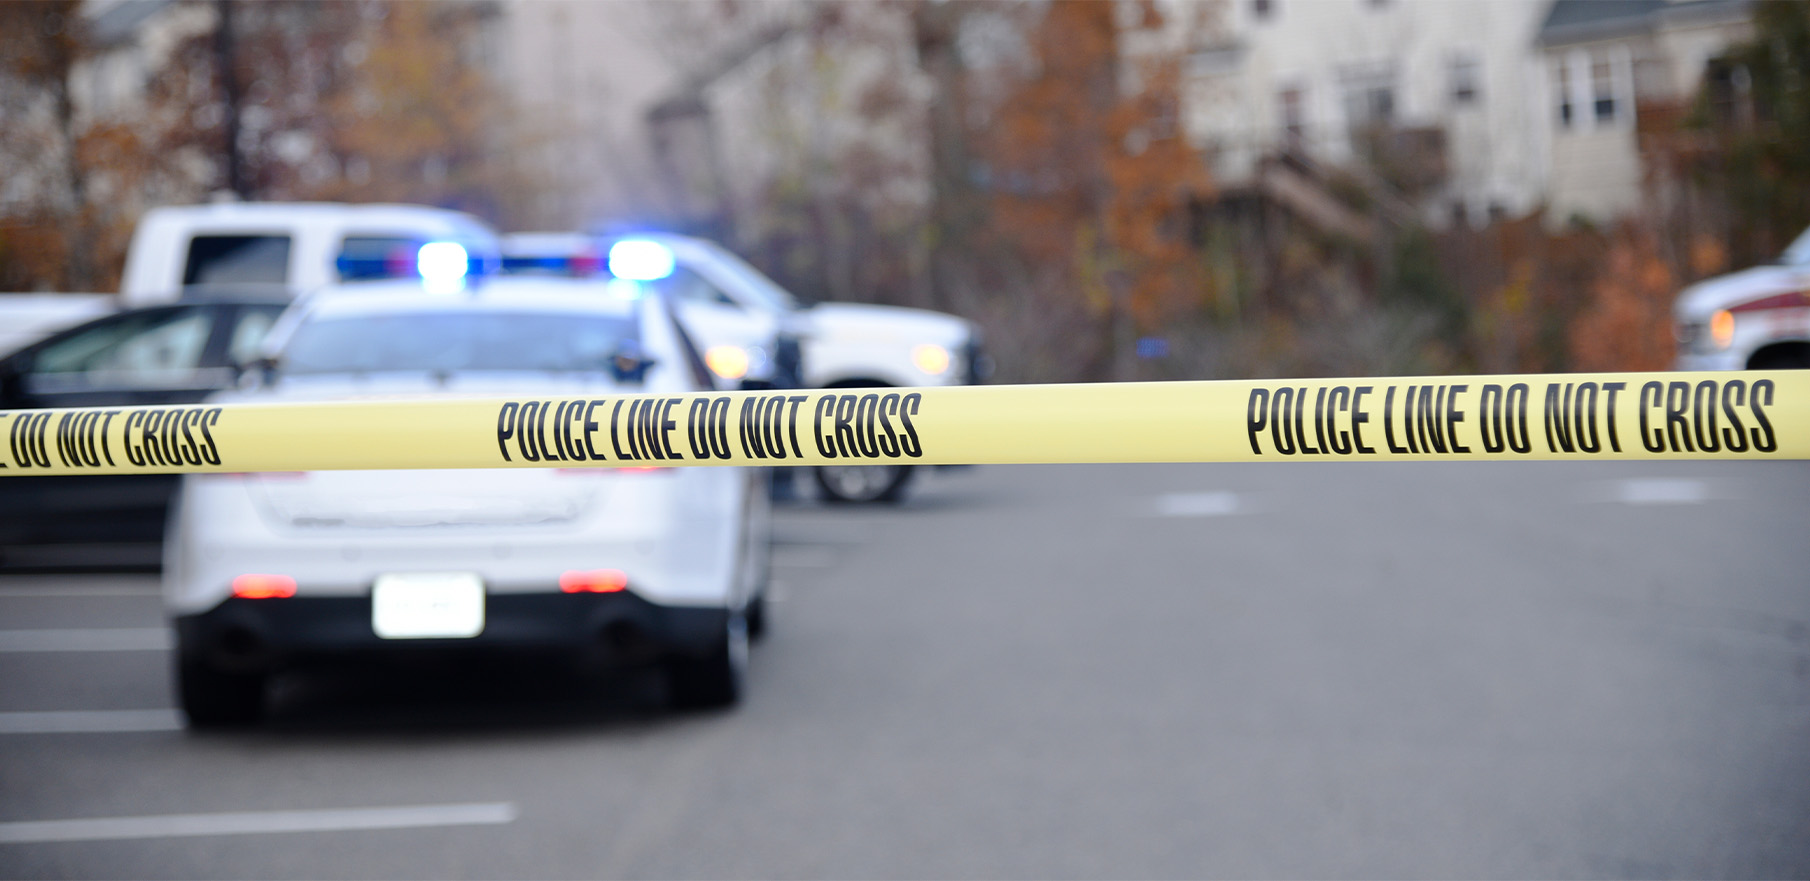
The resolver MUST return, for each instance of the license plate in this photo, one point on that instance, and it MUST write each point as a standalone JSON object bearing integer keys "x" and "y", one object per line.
{"x": 428, "y": 605}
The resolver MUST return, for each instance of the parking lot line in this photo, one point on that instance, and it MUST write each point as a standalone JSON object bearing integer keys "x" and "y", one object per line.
{"x": 89, "y": 721}
{"x": 1662, "y": 491}
{"x": 99, "y": 639}
{"x": 1197, "y": 504}
{"x": 258, "y": 822}
{"x": 79, "y": 590}
{"x": 803, "y": 557}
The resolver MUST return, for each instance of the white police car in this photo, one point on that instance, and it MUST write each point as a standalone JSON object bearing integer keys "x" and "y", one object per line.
{"x": 665, "y": 567}
{"x": 729, "y": 304}
{"x": 1756, "y": 319}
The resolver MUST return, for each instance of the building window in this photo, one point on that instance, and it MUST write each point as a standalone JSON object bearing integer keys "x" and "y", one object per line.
{"x": 1594, "y": 88}
{"x": 1292, "y": 103}
{"x": 1561, "y": 87}
{"x": 1263, "y": 9}
{"x": 1369, "y": 96}
{"x": 1729, "y": 89}
{"x": 1602, "y": 89}
{"x": 1466, "y": 78}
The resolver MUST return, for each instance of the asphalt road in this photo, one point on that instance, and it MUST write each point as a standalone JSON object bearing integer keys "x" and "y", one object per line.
{"x": 1477, "y": 670}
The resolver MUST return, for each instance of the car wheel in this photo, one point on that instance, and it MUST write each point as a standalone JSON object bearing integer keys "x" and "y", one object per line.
{"x": 213, "y": 698}
{"x": 863, "y": 483}
{"x": 757, "y": 616}
{"x": 715, "y": 680}
{"x": 1788, "y": 356}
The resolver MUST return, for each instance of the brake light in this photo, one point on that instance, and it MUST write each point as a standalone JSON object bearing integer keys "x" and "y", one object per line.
{"x": 593, "y": 581}
{"x": 263, "y": 587}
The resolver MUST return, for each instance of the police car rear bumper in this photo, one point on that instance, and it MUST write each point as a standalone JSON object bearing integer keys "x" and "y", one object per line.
{"x": 609, "y": 629}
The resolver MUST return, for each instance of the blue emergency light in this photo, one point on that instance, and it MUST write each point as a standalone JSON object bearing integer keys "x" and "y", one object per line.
{"x": 437, "y": 264}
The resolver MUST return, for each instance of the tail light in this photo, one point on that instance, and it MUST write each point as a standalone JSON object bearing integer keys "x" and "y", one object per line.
{"x": 263, "y": 587}
{"x": 593, "y": 581}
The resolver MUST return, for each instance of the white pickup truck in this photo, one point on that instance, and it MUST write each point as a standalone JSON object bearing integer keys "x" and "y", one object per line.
{"x": 729, "y": 305}
{"x": 1755, "y": 319}
{"x": 284, "y": 248}
{"x": 294, "y": 247}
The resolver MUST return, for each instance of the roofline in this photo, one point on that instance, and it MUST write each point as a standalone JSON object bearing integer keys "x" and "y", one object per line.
{"x": 1688, "y": 11}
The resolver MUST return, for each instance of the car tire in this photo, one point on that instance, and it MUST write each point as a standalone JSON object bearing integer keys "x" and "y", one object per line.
{"x": 718, "y": 678}
{"x": 846, "y": 484}
{"x": 757, "y": 617}
{"x": 213, "y": 698}
{"x": 1788, "y": 356}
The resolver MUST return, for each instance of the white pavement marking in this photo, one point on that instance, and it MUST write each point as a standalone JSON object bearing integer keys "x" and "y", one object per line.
{"x": 101, "y": 639}
{"x": 80, "y": 590}
{"x": 1661, "y": 491}
{"x": 791, "y": 557}
{"x": 89, "y": 721}
{"x": 257, "y": 822}
{"x": 1205, "y": 504}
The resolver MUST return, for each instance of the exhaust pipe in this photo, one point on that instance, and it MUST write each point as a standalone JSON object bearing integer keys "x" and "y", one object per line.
{"x": 240, "y": 648}
{"x": 626, "y": 640}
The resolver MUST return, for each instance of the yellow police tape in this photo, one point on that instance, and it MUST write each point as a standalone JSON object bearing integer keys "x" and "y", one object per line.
{"x": 1754, "y": 415}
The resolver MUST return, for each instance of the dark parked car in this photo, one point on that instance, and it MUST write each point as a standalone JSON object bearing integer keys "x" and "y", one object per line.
{"x": 171, "y": 354}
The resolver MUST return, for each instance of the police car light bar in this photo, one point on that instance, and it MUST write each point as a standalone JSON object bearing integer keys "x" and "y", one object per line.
{"x": 438, "y": 264}
{"x": 442, "y": 262}
{"x": 640, "y": 260}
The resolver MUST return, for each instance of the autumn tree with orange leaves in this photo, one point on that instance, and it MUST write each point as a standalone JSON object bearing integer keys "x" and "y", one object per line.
{"x": 1087, "y": 169}
{"x": 353, "y": 101}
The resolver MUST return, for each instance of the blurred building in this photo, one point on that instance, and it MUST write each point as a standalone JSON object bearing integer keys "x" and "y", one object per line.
{"x": 129, "y": 42}
{"x": 661, "y": 112}
{"x": 1458, "y": 111}
{"x": 1433, "y": 111}
{"x": 581, "y": 76}
{"x": 123, "y": 45}
{"x": 793, "y": 129}
{"x": 1432, "y": 102}
{"x": 1608, "y": 65}
{"x": 1439, "y": 111}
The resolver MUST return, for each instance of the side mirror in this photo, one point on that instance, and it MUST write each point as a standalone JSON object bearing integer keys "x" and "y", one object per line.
{"x": 257, "y": 373}
{"x": 629, "y": 364}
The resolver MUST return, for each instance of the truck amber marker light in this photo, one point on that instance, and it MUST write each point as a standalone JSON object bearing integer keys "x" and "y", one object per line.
{"x": 1753, "y": 415}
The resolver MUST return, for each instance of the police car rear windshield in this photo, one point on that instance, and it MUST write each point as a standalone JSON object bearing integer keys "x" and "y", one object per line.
{"x": 457, "y": 341}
